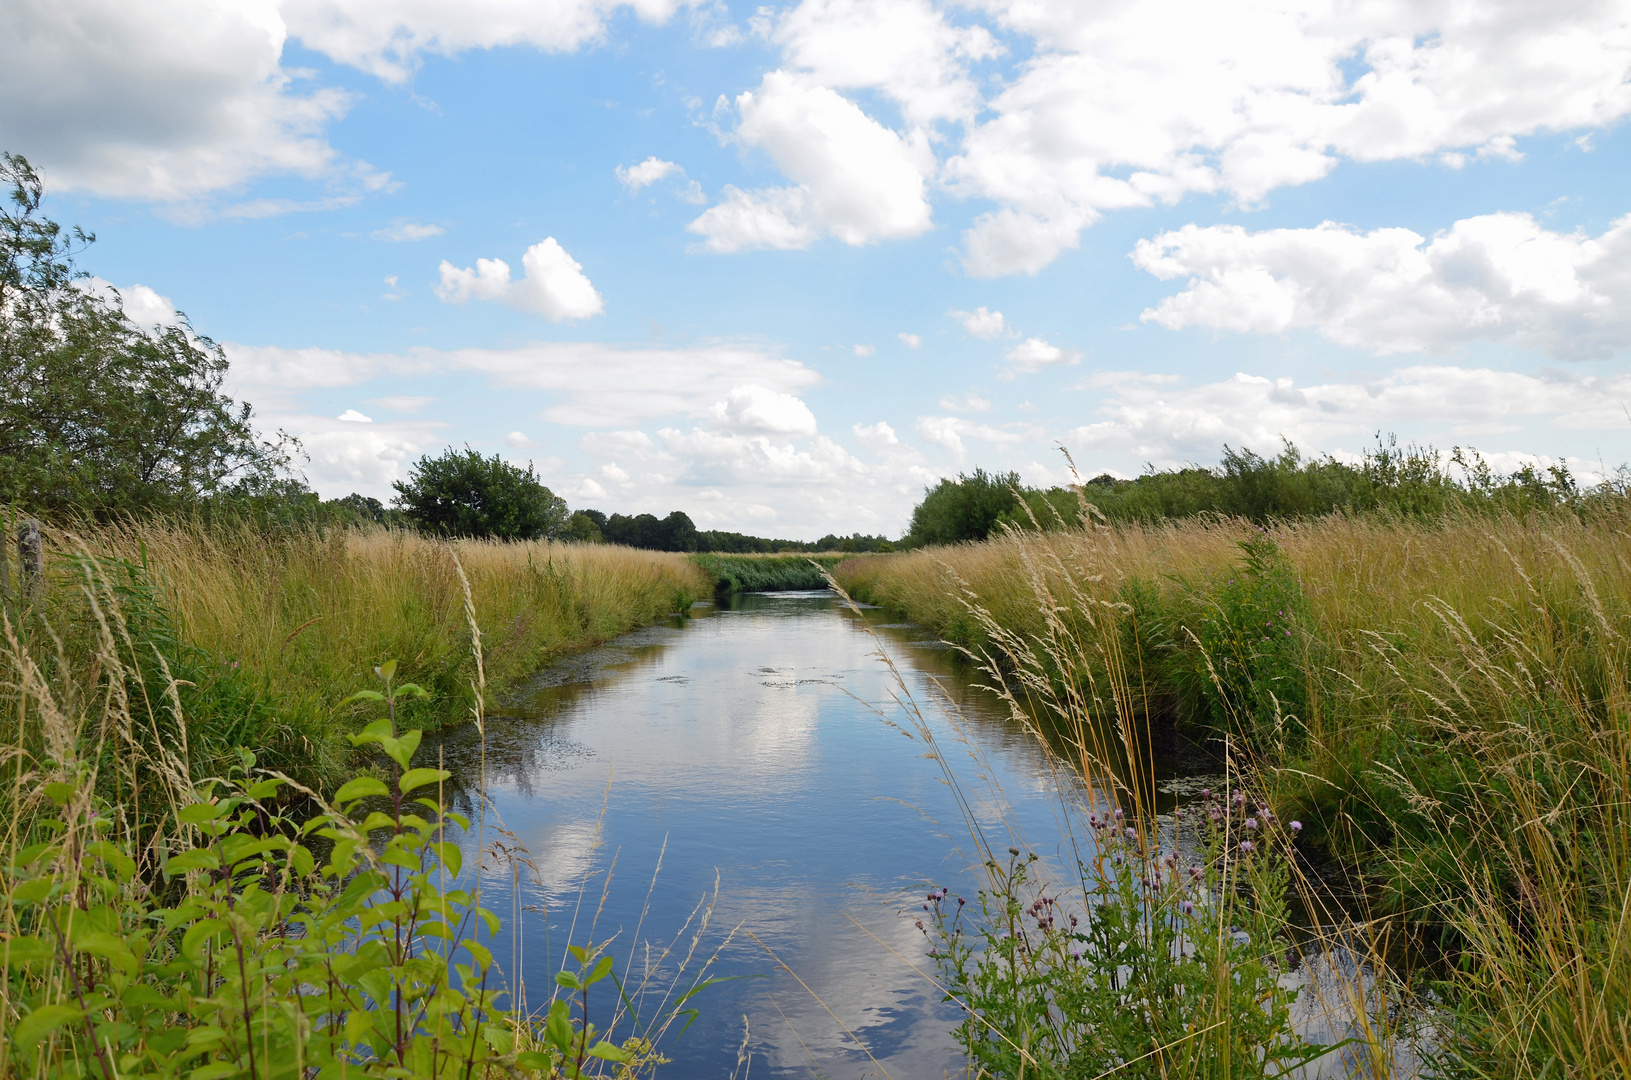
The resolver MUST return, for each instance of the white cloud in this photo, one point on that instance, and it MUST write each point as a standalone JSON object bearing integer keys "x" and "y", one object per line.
{"x": 1499, "y": 277}
{"x": 518, "y": 439}
{"x": 865, "y": 350}
{"x": 141, "y": 305}
{"x": 715, "y": 458}
{"x": 754, "y": 409}
{"x": 911, "y": 341}
{"x": 905, "y": 48}
{"x": 594, "y": 384}
{"x": 352, "y": 416}
{"x": 162, "y": 102}
{"x": 555, "y": 285}
{"x": 1034, "y": 354}
{"x": 981, "y": 323}
{"x": 403, "y": 231}
{"x": 649, "y": 171}
{"x": 387, "y": 38}
{"x": 877, "y": 436}
{"x": 1160, "y": 419}
{"x": 854, "y": 178}
{"x": 966, "y": 403}
{"x": 1132, "y": 105}
{"x": 949, "y": 432}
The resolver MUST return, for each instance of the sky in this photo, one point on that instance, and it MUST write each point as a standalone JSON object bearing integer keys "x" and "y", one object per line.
{"x": 781, "y": 267}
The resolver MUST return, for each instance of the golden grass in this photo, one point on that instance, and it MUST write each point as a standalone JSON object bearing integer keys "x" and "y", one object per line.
{"x": 1468, "y": 734}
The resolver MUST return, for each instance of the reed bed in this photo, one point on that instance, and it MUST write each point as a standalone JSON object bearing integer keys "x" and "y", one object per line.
{"x": 1445, "y": 706}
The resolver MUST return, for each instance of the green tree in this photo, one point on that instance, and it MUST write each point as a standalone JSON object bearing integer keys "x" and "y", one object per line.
{"x": 99, "y": 414}
{"x": 583, "y": 528}
{"x": 461, "y": 493}
{"x": 966, "y": 508}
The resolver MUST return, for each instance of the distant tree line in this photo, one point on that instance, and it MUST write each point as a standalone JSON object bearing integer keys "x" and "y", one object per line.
{"x": 1409, "y": 481}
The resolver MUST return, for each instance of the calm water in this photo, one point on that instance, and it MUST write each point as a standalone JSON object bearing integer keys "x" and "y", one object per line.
{"x": 745, "y": 745}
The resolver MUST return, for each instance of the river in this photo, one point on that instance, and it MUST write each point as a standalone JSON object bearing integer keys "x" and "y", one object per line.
{"x": 758, "y": 745}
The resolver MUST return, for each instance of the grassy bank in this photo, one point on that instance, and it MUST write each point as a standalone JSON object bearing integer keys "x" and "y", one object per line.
{"x": 268, "y": 632}
{"x": 766, "y": 573}
{"x": 1447, "y": 706}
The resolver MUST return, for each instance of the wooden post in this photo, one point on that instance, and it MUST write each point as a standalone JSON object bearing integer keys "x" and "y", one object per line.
{"x": 30, "y": 556}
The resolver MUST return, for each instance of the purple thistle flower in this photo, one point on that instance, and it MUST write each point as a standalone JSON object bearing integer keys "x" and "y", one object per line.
{"x": 1251, "y": 824}
{"x": 1296, "y": 826}
{"x": 1187, "y": 907}
{"x": 1247, "y": 846}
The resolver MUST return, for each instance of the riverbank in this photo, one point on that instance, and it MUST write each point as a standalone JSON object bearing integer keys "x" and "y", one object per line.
{"x": 1445, "y": 707}
{"x": 269, "y": 631}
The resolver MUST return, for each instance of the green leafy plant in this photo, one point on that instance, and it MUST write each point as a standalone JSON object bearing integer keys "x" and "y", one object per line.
{"x": 263, "y": 947}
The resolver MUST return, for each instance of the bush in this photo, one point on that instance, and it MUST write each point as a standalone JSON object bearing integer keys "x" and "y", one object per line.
{"x": 967, "y": 508}
{"x": 462, "y": 493}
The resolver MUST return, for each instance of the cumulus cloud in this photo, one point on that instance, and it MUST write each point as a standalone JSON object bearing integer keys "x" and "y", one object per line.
{"x": 1133, "y": 105}
{"x": 554, "y": 284}
{"x": 141, "y": 305}
{"x": 403, "y": 231}
{"x": 966, "y": 403}
{"x": 592, "y": 384}
{"x": 982, "y": 323}
{"x": 649, "y": 171}
{"x": 387, "y": 38}
{"x": 518, "y": 439}
{"x": 1034, "y": 354}
{"x": 911, "y": 341}
{"x": 352, "y": 416}
{"x": 905, "y": 48}
{"x": 865, "y": 350}
{"x": 877, "y": 436}
{"x": 718, "y": 458}
{"x": 854, "y": 179}
{"x": 166, "y": 103}
{"x": 949, "y": 431}
{"x": 755, "y": 409}
{"x": 1163, "y": 419}
{"x": 1498, "y": 277}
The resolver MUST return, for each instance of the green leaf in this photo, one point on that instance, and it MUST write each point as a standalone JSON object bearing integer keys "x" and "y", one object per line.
{"x": 401, "y": 750}
{"x": 198, "y": 813}
{"x": 193, "y": 941}
{"x": 600, "y": 972}
{"x": 568, "y": 980}
{"x": 123, "y": 865}
{"x": 26, "y": 950}
{"x": 558, "y": 1028}
{"x": 59, "y": 793}
{"x": 32, "y": 892}
{"x": 196, "y": 859}
{"x": 263, "y": 789}
{"x": 608, "y": 1052}
{"x": 41, "y": 1023}
{"x": 416, "y": 778}
{"x": 451, "y": 856}
{"x": 387, "y": 670}
{"x": 110, "y": 949}
{"x": 216, "y": 1070}
{"x": 359, "y": 788}
{"x": 413, "y": 690}
{"x": 362, "y": 695}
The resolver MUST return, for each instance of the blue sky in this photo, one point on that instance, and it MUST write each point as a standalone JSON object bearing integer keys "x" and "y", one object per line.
{"x": 755, "y": 256}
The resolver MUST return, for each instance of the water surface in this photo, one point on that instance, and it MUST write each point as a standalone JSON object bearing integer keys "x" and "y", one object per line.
{"x": 757, "y": 746}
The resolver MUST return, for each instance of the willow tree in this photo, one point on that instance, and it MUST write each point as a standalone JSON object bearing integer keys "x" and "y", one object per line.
{"x": 98, "y": 414}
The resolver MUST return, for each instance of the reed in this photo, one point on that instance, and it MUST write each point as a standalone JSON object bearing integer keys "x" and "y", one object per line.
{"x": 1445, "y": 706}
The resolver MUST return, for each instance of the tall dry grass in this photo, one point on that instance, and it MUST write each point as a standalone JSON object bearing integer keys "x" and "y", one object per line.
{"x": 1464, "y": 748}
{"x": 273, "y": 630}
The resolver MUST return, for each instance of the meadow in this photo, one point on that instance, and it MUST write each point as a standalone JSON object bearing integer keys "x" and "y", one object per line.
{"x": 1443, "y": 706}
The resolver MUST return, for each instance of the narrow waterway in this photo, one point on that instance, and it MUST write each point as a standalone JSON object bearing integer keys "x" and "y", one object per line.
{"x": 755, "y": 746}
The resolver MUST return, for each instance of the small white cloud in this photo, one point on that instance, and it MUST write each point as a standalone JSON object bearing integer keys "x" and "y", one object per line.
{"x": 555, "y": 285}
{"x": 402, "y": 231}
{"x": 354, "y": 417}
{"x": 865, "y": 350}
{"x": 141, "y": 305}
{"x": 518, "y": 439}
{"x": 694, "y": 194}
{"x": 966, "y": 403}
{"x": 615, "y": 473}
{"x": 757, "y": 409}
{"x": 391, "y": 284}
{"x": 649, "y": 171}
{"x": 982, "y": 323}
{"x": 876, "y": 436}
{"x": 1034, "y": 354}
{"x": 911, "y": 341}
{"x": 589, "y": 489}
